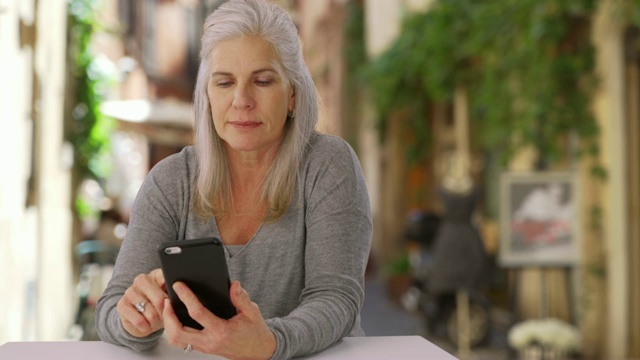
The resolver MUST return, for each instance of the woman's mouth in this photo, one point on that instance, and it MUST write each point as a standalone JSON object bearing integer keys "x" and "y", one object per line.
{"x": 245, "y": 124}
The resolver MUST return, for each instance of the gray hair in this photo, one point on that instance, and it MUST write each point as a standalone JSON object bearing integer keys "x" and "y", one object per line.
{"x": 233, "y": 19}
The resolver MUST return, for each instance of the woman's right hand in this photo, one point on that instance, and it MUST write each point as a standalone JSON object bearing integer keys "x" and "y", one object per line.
{"x": 149, "y": 290}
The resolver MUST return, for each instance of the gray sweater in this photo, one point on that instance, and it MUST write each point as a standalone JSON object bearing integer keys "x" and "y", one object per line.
{"x": 306, "y": 271}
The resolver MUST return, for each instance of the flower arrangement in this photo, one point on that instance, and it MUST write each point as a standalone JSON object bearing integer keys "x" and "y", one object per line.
{"x": 546, "y": 336}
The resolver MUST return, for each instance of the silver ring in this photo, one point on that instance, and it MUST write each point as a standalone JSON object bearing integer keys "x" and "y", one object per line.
{"x": 188, "y": 348}
{"x": 140, "y": 306}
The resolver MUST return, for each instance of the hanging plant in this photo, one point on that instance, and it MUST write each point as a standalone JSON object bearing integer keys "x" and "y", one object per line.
{"x": 354, "y": 55}
{"x": 528, "y": 66}
{"x": 87, "y": 129}
{"x": 397, "y": 80}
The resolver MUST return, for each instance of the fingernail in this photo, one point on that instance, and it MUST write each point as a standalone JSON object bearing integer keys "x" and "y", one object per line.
{"x": 239, "y": 289}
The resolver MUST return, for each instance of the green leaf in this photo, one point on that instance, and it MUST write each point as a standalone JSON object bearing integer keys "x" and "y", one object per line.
{"x": 528, "y": 65}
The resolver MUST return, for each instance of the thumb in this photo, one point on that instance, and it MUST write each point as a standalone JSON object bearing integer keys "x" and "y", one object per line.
{"x": 239, "y": 297}
{"x": 158, "y": 277}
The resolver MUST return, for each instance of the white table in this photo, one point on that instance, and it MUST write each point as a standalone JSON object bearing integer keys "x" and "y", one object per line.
{"x": 372, "y": 347}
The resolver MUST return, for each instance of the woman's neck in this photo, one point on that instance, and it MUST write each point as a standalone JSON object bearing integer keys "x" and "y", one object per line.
{"x": 249, "y": 169}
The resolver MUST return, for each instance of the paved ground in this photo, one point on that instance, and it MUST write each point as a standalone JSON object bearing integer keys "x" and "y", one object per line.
{"x": 381, "y": 317}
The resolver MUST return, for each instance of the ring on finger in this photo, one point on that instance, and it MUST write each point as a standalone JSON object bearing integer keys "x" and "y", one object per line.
{"x": 140, "y": 306}
{"x": 188, "y": 348}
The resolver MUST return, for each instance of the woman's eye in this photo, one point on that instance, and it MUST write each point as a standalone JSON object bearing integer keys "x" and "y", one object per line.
{"x": 223, "y": 84}
{"x": 264, "y": 82}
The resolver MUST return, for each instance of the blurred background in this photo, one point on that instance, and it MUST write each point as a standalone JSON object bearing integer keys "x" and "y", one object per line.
{"x": 500, "y": 141}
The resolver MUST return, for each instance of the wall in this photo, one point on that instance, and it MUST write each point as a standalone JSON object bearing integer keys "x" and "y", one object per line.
{"x": 35, "y": 249}
{"x": 17, "y": 224}
{"x": 609, "y": 110}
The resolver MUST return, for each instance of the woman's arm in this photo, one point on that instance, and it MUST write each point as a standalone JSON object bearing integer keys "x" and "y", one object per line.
{"x": 155, "y": 219}
{"x": 338, "y": 240}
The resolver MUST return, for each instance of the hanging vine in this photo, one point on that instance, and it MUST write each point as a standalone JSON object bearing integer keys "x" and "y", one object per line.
{"x": 355, "y": 57}
{"x": 87, "y": 129}
{"x": 528, "y": 66}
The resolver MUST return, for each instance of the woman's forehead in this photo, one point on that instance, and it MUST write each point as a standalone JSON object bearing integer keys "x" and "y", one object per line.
{"x": 246, "y": 53}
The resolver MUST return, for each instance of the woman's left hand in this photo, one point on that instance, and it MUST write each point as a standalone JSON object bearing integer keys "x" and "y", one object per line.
{"x": 244, "y": 336}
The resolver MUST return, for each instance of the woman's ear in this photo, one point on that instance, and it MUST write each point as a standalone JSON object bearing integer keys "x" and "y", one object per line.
{"x": 292, "y": 99}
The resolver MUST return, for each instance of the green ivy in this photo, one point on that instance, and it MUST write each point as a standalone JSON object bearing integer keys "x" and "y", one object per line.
{"x": 88, "y": 130}
{"x": 355, "y": 57}
{"x": 627, "y": 10}
{"x": 528, "y": 66}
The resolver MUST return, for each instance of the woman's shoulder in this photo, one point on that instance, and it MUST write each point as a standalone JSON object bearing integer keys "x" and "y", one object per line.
{"x": 331, "y": 152}
{"x": 326, "y": 145}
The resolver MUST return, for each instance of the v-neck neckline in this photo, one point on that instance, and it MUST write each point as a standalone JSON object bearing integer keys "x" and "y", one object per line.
{"x": 235, "y": 252}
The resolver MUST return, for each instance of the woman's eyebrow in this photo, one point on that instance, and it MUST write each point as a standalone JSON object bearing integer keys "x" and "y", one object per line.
{"x": 259, "y": 71}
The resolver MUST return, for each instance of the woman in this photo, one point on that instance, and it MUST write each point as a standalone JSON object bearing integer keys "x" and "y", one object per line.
{"x": 289, "y": 204}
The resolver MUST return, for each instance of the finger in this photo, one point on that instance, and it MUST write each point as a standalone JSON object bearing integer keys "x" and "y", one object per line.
{"x": 151, "y": 293}
{"x": 152, "y": 305}
{"x": 142, "y": 292}
{"x": 242, "y": 302}
{"x": 176, "y": 334}
{"x": 147, "y": 285}
{"x": 235, "y": 290}
{"x": 132, "y": 297}
{"x": 158, "y": 277}
{"x": 133, "y": 321}
{"x": 171, "y": 322}
{"x": 195, "y": 308}
{"x": 134, "y": 328}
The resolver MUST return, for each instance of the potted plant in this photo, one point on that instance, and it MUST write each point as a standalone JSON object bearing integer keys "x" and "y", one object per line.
{"x": 398, "y": 277}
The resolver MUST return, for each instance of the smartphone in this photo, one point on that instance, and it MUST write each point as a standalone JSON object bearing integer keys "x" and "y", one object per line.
{"x": 201, "y": 265}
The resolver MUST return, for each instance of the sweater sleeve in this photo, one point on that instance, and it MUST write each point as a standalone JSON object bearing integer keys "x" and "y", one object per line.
{"x": 338, "y": 239}
{"x": 154, "y": 220}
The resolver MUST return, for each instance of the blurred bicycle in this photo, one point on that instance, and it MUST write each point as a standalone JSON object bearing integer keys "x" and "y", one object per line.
{"x": 439, "y": 312}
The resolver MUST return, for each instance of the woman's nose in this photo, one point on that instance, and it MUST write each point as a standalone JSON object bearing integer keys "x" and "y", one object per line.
{"x": 242, "y": 98}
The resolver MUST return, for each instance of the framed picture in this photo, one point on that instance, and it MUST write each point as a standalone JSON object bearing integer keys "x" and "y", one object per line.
{"x": 539, "y": 219}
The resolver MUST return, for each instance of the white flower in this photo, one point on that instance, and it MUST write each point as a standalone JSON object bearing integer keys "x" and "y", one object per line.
{"x": 549, "y": 333}
{"x": 520, "y": 336}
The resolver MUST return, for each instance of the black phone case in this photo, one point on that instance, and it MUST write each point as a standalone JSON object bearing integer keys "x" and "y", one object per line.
{"x": 202, "y": 266}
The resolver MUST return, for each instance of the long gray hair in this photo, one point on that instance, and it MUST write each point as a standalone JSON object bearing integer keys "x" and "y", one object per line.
{"x": 237, "y": 18}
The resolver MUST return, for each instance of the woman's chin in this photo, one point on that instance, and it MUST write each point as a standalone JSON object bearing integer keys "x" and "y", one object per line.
{"x": 249, "y": 145}
{"x": 246, "y": 147}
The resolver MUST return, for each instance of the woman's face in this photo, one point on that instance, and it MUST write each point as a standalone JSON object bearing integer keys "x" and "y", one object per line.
{"x": 249, "y": 94}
